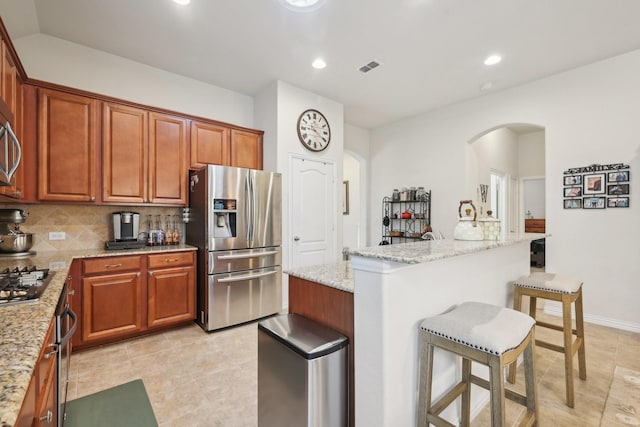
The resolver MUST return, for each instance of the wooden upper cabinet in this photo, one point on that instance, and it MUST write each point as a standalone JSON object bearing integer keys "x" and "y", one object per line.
{"x": 168, "y": 164}
{"x": 9, "y": 79}
{"x": 246, "y": 149}
{"x": 209, "y": 144}
{"x": 124, "y": 154}
{"x": 67, "y": 146}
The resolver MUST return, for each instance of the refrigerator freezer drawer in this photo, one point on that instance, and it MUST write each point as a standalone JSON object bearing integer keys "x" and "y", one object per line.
{"x": 244, "y": 259}
{"x": 243, "y": 296}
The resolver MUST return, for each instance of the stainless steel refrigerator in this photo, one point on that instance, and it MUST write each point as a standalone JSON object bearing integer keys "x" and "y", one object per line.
{"x": 235, "y": 220}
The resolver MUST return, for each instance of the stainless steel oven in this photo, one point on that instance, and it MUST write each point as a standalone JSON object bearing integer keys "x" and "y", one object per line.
{"x": 66, "y": 324}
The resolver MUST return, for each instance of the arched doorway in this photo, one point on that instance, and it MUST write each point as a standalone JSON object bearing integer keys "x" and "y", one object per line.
{"x": 507, "y": 165}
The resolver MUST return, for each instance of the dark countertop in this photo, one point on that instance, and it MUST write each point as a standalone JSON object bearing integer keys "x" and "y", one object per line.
{"x": 24, "y": 326}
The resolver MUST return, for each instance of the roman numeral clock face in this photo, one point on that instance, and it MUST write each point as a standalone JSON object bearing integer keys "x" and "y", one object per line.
{"x": 313, "y": 130}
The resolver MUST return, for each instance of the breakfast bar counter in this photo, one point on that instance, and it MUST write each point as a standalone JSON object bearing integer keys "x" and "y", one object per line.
{"x": 395, "y": 288}
{"x": 24, "y": 326}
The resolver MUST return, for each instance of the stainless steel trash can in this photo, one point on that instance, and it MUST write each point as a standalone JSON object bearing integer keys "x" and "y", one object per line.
{"x": 302, "y": 374}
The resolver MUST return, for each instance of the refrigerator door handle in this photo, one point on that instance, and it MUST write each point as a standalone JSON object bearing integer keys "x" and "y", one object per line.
{"x": 245, "y": 277}
{"x": 251, "y": 255}
{"x": 248, "y": 209}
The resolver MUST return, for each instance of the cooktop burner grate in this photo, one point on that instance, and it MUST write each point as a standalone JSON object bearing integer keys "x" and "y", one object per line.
{"x": 20, "y": 285}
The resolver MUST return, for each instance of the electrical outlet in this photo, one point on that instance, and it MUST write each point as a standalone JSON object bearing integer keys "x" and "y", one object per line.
{"x": 57, "y": 235}
{"x": 57, "y": 265}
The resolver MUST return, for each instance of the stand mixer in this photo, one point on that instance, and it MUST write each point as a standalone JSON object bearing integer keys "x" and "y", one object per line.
{"x": 13, "y": 241}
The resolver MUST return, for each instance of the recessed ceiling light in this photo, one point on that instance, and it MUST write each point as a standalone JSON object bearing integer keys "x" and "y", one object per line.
{"x": 182, "y": 2}
{"x": 302, "y": 3}
{"x": 318, "y": 64}
{"x": 492, "y": 60}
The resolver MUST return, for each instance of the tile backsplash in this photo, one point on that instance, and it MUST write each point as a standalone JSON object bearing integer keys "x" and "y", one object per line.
{"x": 86, "y": 227}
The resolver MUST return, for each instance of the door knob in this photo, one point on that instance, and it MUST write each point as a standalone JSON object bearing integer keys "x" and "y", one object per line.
{"x": 296, "y": 238}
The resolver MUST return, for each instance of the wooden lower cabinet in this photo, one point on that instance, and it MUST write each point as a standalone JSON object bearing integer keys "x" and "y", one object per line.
{"x": 172, "y": 297}
{"x": 124, "y": 296}
{"x": 112, "y": 305}
{"x": 39, "y": 407}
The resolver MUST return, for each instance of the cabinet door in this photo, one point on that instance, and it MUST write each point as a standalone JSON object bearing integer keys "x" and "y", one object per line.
{"x": 47, "y": 406}
{"x": 246, "y": 149}
{"x": 112, "y": 306}
{"x": 168, "y": 164}
{"x": 67, "y": 141}
{"x": 27, "y": 414}
{"x": 172, "y": 297}
{"x": 209, "y": 145}
{"x": 9, "y": 79}
{"x": 15, "y": 190}
{"x": 124, "y": 154}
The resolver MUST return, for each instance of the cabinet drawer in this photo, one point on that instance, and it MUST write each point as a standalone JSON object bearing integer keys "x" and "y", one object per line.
{"x": 170, "y": 259}
{"x": 112, "y": 264}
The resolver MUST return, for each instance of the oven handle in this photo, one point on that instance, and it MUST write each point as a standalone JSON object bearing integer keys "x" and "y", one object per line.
{"x": 245, "y": 277}
{"x": 64, "y": 340}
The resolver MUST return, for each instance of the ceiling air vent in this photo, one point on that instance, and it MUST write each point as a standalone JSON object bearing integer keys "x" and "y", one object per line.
{"x": 368, "y": 67}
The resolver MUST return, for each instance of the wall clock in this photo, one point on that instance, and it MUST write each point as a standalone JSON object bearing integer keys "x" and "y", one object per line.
{"x": 313, "y": 130}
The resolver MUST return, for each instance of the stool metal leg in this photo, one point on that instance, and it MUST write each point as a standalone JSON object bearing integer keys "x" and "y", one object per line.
{"x": 568, "y": 348}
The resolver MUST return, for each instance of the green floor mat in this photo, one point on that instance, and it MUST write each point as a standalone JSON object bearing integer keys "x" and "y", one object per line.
{"x": 126, "y": 405}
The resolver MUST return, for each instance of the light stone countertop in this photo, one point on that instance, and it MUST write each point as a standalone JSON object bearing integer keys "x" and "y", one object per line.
{"x": 340, "y": 276}
{"x": 24, "y": 326}
{"x": 337, "y": 275}
{"x": 433, "y": 250}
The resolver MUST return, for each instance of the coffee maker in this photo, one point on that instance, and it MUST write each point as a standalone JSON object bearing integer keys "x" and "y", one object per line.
{"x": 126, "y": 227}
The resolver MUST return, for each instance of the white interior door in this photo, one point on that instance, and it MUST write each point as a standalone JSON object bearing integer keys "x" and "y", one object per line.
{"x": 312, "y": 230}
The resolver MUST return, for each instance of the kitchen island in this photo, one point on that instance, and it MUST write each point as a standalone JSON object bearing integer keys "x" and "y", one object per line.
{"x": 395, "y": 288}
{"x": 24, "y": 326}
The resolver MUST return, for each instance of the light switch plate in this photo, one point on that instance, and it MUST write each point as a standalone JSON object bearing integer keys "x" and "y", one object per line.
{"x": 57, "y": 235}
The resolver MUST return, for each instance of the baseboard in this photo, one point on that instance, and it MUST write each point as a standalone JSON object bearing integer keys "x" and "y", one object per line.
{"x": 597, "y": 320}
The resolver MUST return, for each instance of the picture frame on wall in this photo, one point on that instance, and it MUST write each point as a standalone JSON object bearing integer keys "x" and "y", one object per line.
{"x": 618, "y": 176}
{"x": 617, "y": 189}
{"x": 573, "y": 203}
{"x": 573, "y": 180}
{"x": 593, "y": 203}
{"x": 572, "y": 191}
{"x": 594, "y": 184}
{"x": 618, "y": 202}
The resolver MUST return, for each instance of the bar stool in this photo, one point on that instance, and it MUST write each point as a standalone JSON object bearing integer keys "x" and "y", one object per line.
{"x": 567, "y": 290}
{"x": 483, "y": 333}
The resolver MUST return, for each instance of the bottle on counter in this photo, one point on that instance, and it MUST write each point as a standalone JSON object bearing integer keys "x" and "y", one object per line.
{"x": 159, "y": 231}
{"x": 151, "y": 233}
{"x": 168, "y": 234}
{"x": 176, "y": 230}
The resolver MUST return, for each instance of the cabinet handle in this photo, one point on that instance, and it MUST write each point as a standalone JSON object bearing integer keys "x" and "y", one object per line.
{"x": 48, "y": 418}
{"x": 113, "y": 265}
{"x": 51, "y": 353}
{"x": 138, "y": 274}
{"x": 92, "y": 199}
{"x": 72, "y": 292}
{"x": 150, "y": 273}
{"x": 171, "y": 260}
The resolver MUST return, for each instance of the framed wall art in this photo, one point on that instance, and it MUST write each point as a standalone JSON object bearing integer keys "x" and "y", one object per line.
{"x": 597, "y": 187}
{"x": 618, "y": 202}
{"x": 573, "y": 204}
{"x": 594, "y": 184}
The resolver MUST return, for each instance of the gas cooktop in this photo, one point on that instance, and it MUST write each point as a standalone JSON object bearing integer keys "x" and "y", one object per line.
{"x": 22, "y": 285}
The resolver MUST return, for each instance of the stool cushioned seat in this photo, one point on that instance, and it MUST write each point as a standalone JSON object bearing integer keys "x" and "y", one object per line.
{"x": 550, "y": 282}
{"x": 481, "y": 326}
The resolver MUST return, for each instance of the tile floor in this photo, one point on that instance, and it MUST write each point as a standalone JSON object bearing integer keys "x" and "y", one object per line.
{"x": 210, "y": 380}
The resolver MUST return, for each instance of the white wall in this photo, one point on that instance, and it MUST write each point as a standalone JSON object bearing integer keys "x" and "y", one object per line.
{"x": 590, "y": 116}
{"x": 58, "y": 61}
{"x": 531, "y": 154}
{"x": 534, "y": 197}
{"x": 277, "y": 108}
{"x": 356, "y": 145}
